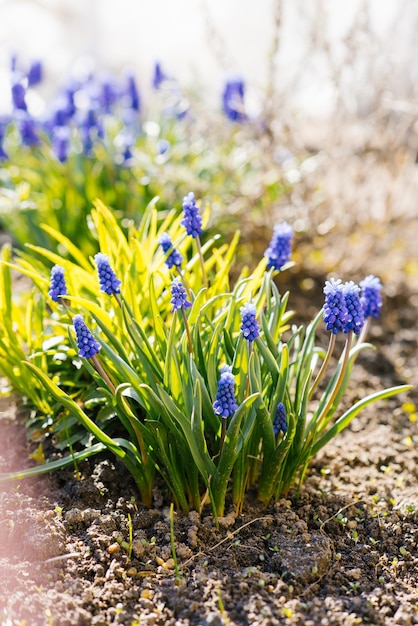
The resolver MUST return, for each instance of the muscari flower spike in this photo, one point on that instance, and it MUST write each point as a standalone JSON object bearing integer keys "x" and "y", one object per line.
{"x": 335, "y": 309}
{"x": 355, "y": 314}
{"x": 88, "y": 347}
{"x": 225, "y": 403}
{"x": 109, "y": 283}
{"x": 233, "y": 99}
{"x": 192, "y": 220}
{"x": 280, "y": 421}
{"x": 371, "y": 298}
{"x": 174, "y": 259}
{"x": 249, "y": 325}
{"x": 57, "y": 287}
{"x": 280, "y": 249}
{"x": 179, "y": 296}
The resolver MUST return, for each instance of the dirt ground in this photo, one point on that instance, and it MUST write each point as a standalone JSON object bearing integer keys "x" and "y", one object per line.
{"x": 80, "y": 552}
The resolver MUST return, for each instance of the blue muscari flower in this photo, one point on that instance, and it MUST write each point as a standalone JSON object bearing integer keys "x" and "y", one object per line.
{"x": 3, "y": 155}
{"x": 174, "y": 258}
{"x": 18, "y": 92}
{"x": 335, "y": 309}
{"x": 60, "y": 142}
{"x": 35, "y": 73}
{"x": 249, "y": 325}
{"x": 109, "y": 283}
{"x": 179, "y": 296}
{"x": 355, "y": 313}
{"x": 280, "y": 420}
{"x": 87, "y": 344}
{"x": 280, "y": 249}
{"x": 133, "y": 93}
{"x": 27, "y": 127}
{"x": 108, "y": 94}
{"x": 233, "y": 99}
{"x": 192, "y": 220}
{"x": 225, "y": 403}
{"x": 371, "y": 298}
{"x": 57, "y": 286}
{"x": 159, "y": 76}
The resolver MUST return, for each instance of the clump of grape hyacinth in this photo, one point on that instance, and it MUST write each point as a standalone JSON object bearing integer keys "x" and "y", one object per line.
{"x": 87, "y": 345}
{"x": 355, "y": 315}
{"x": 225, "y": 403}
{"x": 179, "y": 296}
{"x": 280, "y": 249}
{"x": 57, "y": 287}
{"x": 371, "y": 298}
{"x": 249, "y": 325}
{"x": 174, "y": 259}
{"x": 280, "y": 420}
{"x": 335, "y": 309}
{"x": 109, "y": 283}
{"x": 192, "y": 220}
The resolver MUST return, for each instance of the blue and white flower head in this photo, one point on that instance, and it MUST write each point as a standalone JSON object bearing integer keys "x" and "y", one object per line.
{"x": 174, "y": 259}
{"x": 192, "y": 220}
{"x": 280, "y": 249}
{"x": 335, "y": 309}
{"x": 86, "y": 343}
{"x": 225, "y": 404}
{"x": 355, "y": 313}
{"x": 371, "y": 298}
{"x": 109, "y": 283}
{"x": 57, "y": 286}
{"x": 179, "y": 296}
{"x": 249, "y": 325}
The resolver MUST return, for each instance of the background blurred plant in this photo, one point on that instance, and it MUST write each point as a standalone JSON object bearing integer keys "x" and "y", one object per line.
{"x": 177, "y": 373}
{"x": 97, "y": 140}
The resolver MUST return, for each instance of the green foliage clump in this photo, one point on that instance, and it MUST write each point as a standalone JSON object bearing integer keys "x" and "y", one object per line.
{"x": 151, "y": 392}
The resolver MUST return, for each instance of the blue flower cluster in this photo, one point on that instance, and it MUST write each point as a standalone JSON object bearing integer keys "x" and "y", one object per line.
{"x": 280, "y": 420}
{"x": 371, "y": 298}
{"x": 192, "y": 220}
{"x": 280, "y": 249}
{"x": 233, "y": 99}
{"x": 109, "y": 283}
{"x": 87, "y": 344}
{"x": 57, "y": 287}
{"x": 225, "y": 403}
{"x": 174, "y": 259}
{"x": 249, "y": 325}
{"x": 179, "y": 296}
{"x": 345, "y": 309}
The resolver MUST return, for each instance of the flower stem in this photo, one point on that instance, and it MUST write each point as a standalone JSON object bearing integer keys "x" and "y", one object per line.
{"x": 340, "y": 379}
{"x": 364, "y": 330}
{"x": 186, "y": 325}
{"x": 324, "y": 365}
{"x": 223, "y": 434}
{"x": 98, "y": 366}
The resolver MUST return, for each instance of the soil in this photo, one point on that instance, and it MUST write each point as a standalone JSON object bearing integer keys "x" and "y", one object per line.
{"x": 76, "y": 551}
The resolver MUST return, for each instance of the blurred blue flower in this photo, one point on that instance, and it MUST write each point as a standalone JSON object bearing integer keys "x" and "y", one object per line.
{"x": 179, "y": 296}
{"x": 280, "y": 420}
{"x": 133, "y": 93}
{"x": 174, "y": 258}
{"x": 109, "y": 283}
{"x": 280, "y": 249}
{"x": 35, "y": 73}
{"x": 19, "y": 92}
{"x": 159, "y": 76}
{"x": 233, "y": 99}
{"x": 27, "y": 127}
{"x": 335, "y": 309}
{"x": 87, "y": 344}
{"x": 60, "y": 142}
{"x": 192, "y": 220}
{"x": 57, "y": 286}
{"x": 371, "y": 298}
{"x": 249, "y": 325}
{"x": 225, "y": 403}
{"x": 355, "y": 313}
